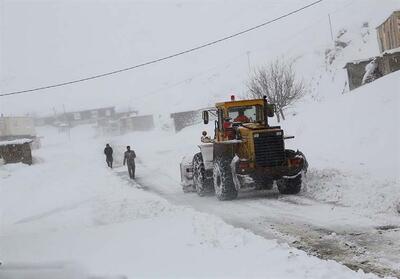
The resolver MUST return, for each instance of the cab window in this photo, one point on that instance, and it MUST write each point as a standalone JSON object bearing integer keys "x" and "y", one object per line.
{"x": 246, "y": 114}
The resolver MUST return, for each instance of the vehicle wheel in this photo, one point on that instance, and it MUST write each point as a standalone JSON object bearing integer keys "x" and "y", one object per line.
{"x": 289, "y": 186}
{"x": 263, "y": 182}
{"x": 199, "y": 180}
{"x": 223, "y": 180}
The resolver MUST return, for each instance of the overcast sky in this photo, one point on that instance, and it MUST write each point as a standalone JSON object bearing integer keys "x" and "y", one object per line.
{"x": 45, "y": 42}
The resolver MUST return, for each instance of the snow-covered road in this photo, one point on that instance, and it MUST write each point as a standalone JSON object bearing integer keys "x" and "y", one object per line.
{"x": 69, "y": 208}
{"x": 68, "y": 216}
{"x": 327, "y": 230}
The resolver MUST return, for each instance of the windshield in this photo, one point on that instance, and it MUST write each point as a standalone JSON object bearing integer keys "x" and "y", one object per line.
{"x": 245, "y": 114}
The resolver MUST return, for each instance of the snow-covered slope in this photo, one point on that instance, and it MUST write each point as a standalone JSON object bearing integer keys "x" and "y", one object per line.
{"x": 359, "y": 135}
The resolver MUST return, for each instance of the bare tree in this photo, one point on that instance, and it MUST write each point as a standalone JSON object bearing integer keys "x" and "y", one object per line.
{"x": 278, "y": 82}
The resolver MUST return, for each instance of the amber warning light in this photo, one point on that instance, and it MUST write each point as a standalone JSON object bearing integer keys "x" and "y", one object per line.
{"x": 232, "y": 97}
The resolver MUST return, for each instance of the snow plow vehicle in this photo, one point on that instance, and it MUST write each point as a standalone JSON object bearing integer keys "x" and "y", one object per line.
{"x": 245, "y": 153}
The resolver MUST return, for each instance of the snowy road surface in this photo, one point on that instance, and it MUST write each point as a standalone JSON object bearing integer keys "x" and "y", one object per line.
{"x": 326, "y": 230}
{"x": 69, "y": 208}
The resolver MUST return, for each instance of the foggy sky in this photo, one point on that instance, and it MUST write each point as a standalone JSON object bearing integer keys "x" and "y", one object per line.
{"x": 45, "y": 42}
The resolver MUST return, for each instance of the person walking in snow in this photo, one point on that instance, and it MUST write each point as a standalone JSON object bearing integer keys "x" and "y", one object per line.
{"x": 129, "y": 159}
{"x": 108, "y": 151}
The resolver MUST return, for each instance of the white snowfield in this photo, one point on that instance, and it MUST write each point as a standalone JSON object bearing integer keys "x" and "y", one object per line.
{"x": 69, "y": 208}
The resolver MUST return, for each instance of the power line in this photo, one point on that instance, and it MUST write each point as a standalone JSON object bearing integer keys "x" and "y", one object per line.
{"x": 162, "y": 58}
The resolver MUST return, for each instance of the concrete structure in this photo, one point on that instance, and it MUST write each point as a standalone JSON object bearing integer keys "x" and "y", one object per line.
{"x": 125, "y": 124}
{"x": 389, "y": 32}
{"x": 185, "y": 118}
{"x": 77, "y": 117}
{"x": 16, "y": 128}
{"x": 136, "y": 123}
{"x": 188, "y": 118}
{"x": 15, "y": 151}
{"x": 388, "y": 62}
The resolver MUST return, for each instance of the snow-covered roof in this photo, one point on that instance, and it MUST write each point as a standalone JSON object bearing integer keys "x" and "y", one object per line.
{"x": 360, "y": 61}
{"x": 387, "y": 52}
{"x": 391, "y": 51}
{"x": 17, "y": 141}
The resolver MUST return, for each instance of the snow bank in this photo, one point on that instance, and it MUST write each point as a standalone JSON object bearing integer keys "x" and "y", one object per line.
{"x": 351, "y": 143}
{"x": 17, "y": 141}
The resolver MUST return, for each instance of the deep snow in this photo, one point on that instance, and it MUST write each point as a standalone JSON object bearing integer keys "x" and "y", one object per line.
{"x": 68, "y": 207}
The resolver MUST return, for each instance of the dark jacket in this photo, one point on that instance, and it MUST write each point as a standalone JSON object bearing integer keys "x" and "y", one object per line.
{"x": 108, "y": 151}
{"x": 129, "y": 157}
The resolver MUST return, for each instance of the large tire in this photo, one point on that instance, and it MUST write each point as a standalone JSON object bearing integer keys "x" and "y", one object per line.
{"x": 223, "y": 180}
{"x": 289, "y": 186}
{"x": 200, "y": 182}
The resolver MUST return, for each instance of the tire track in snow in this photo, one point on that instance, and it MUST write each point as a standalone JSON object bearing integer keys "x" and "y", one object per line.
{"x": 51, "y": 212}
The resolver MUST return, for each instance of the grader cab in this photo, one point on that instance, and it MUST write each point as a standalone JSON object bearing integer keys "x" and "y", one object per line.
{"x": 245, "y": 152}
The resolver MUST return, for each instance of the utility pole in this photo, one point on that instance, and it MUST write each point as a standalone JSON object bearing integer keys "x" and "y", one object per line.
{"x": 66, "y": 123}
{"x": 330, "y": 26}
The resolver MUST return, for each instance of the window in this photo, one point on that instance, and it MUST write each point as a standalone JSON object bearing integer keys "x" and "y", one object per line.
{"x": 94, "y": 113}
{"x": 77, "y": 116}
{"x": 220, "y": 119}
{"x": 246, "y": 114}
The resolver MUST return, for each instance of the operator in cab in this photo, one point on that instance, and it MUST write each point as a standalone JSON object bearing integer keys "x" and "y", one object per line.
{"x": 241, "y": 117}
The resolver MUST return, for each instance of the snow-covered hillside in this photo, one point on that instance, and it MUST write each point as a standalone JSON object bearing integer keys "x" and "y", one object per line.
{"x": 357, "y": 134}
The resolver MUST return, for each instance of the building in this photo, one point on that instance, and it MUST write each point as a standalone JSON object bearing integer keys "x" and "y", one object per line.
{"x": 16, "y": 128}
{"x": 188, "y": 118}
{"x": 78, "y": 117}
{"x": 87, "y": 116}
{"x": 185, "y": 118}
{"x": 125, "y": 122}
{"x": 136, "y": 123}
{"x": 389, "y": 32}
{"x": 387, "y": 63}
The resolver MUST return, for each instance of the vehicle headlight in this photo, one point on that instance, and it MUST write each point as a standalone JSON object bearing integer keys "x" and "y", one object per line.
{"x": 256, "y": 135}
